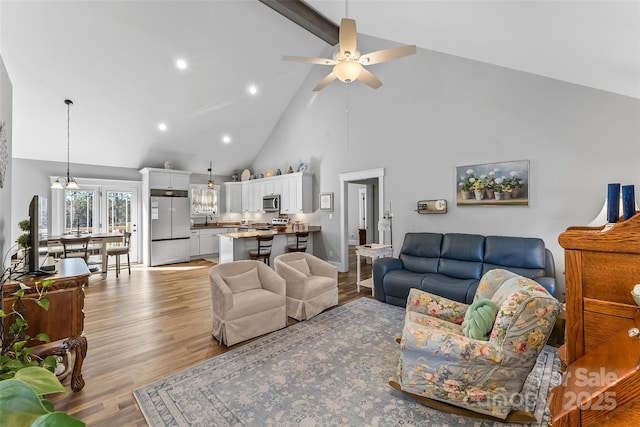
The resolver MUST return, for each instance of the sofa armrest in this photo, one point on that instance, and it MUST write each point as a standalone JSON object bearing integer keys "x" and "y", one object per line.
{"x": 429, "y": 340}
{"x": 436, "y": 306}
{"x": 221, "y": 295}
{"x": 271, "y": 281}
{"x": 319, "y": 267}
{"x": 549, "y": 283}
{"x": 382, "y": 266}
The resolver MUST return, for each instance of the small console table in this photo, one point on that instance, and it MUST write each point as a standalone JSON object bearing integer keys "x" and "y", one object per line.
{"x": 372, "y": 251}
{"x": 64, "y": 321}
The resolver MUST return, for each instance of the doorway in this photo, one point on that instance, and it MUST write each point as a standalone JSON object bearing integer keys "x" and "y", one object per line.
{"x": 98, "y": 206}
{"x": 375, "y": 178}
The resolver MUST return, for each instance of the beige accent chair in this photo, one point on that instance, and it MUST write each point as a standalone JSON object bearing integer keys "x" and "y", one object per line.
{"x": 248, "y": 299}
{"x": 312, "y": 284}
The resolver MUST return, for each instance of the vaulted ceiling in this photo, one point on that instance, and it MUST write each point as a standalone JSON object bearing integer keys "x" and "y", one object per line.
{"x": 116, "y": 61}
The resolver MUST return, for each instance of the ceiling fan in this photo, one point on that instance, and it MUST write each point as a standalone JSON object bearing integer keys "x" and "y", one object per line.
{"x": 348, "y": 63}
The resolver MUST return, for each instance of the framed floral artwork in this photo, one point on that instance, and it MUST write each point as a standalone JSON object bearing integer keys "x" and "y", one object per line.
{"x": 501, "y": 184}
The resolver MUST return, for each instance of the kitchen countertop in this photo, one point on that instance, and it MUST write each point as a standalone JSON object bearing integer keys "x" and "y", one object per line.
{"x": 216, "y": 225}
{"x": 288, "y": 230}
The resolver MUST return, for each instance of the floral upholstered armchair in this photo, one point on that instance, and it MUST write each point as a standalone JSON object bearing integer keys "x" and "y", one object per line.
{"x": 441, "y": 363}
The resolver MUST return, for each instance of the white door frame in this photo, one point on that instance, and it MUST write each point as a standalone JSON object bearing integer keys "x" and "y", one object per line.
{"x": 345, "y": 178}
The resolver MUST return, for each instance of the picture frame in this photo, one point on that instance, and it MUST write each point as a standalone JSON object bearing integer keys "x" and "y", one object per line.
{"x": 326, "y": 202}
{"x": 496, "y": 184}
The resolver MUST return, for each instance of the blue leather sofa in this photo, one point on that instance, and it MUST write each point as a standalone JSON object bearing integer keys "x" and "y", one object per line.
{"x": 451, "y": 265}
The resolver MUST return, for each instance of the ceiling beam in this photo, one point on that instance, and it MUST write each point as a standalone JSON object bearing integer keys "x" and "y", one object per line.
{"x": 306, "y": 17}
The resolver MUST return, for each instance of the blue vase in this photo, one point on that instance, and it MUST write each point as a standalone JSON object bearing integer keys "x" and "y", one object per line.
{"x": 613, "y": 203}
{"x": 628, "y": 201}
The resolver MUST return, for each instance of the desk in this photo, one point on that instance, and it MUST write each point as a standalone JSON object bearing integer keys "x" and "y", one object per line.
{"x": 64, "y": 321}
{"x": 99, "y": 238}
{"x": 372, "y": 251}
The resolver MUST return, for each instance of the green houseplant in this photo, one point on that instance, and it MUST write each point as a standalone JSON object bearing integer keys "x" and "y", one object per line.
{"x": 24, "y": 377}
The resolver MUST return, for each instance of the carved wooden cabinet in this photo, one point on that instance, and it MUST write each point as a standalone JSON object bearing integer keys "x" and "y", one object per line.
{"x": 602, "y": 264}
{"x": 64, "y": 321}
{"x": 601, "y": 384}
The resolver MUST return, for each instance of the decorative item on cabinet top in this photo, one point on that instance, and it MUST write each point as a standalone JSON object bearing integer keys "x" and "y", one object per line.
{"x": 432, "y": 206}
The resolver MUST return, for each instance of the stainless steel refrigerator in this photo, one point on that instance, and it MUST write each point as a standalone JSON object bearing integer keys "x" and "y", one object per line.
{"x": 170, "y": 226}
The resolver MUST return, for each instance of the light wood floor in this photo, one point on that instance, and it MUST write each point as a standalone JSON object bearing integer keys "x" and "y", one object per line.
{"x": 146, "y": 326}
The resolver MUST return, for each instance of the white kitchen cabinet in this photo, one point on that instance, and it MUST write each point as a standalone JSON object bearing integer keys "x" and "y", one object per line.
{"x": 169, "y": 180}
{"x": 296, "y": 194}
{"x": 206, "y": 241}
{"x": 233, "y": 197}
{"x": 294, "y": 190}
{"x": 252, "y": 193}
{"x": 194, "y": 241}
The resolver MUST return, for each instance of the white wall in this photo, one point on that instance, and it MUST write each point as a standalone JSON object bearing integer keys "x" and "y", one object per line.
{"x": 435, "y": 112}
{"x": 6, "y": 110}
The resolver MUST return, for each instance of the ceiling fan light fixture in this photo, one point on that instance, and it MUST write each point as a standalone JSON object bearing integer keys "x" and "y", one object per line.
{"x": 347, "y": 71}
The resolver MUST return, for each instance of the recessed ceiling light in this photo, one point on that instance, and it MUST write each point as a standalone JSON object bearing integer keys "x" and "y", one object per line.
{"x": 226, "y": 139}
{"x": 162, "y": 126}
{"x": 181, "y": 64}
{"x": 253, "y": 89}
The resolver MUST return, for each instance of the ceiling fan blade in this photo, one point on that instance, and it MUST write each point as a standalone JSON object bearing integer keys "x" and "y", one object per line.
{"x": 330, "y": 77}
{"x": 387, "y": 54}
{"x": 369, "y": 79}
{"x": 348, "y": 36}
{"x": 305, "y": 59}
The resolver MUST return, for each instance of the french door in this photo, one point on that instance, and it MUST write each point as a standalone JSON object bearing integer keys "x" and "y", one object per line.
{"x": 98, "y": 207}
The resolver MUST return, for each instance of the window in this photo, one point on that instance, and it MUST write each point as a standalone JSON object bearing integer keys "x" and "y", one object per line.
{"x": 78, "y": 211}
{"x": 119, "y": 211}
{"x": 204, "y": 201}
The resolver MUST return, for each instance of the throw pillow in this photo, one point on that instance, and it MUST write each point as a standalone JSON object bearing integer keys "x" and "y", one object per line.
{"x": 300, "y": 265}
{"x": 479, "y": 319}
{"x": 243, "y": 281}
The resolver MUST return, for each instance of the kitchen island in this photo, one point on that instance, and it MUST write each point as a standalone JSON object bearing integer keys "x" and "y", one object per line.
{"x": 236, "y": 246}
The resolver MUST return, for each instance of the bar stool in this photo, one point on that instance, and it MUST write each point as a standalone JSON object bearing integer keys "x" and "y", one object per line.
{"x": 301, "y": 242}
{"x": 264, "y": 249}
{"x": 123, "y": 249}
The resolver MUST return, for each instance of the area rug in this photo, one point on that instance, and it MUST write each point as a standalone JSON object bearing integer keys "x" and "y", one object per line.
{"x": 332, "y": 370}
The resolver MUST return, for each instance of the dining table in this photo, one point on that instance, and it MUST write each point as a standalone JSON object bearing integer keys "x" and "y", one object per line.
{"x": 101, "y": 239}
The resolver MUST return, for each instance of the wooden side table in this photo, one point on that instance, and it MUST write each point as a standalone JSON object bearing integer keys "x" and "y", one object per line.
{"x": 64, "y": 321}
{"x": 372, "y": 251}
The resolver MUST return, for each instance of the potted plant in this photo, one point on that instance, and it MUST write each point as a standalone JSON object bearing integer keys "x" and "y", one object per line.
{"x": 478, "y": 188}
{"x": 465, "y": 184}
{"x": 23, "y": 240}
{"x": 25, "y": 378}
{"x": 516, "y": 184}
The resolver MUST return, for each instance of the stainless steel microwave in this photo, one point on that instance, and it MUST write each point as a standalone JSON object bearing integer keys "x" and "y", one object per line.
{"x": 271, "y": 203}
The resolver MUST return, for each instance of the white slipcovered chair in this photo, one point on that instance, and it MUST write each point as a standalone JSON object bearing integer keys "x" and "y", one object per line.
{"x": 312, "y": 284}
{"x": 247, "y": 300}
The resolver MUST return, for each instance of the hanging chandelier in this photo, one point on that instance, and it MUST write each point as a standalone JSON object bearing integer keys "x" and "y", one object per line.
{"x": 70, "y": 183}
{"x": 211, "y": 183}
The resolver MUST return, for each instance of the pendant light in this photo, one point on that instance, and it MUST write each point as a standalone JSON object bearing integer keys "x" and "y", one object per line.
{"x": 70, "y": 183}
{"x": 211, "y": 183}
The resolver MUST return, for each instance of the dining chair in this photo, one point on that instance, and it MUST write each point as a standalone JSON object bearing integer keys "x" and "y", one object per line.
{"x": 75, "y": 247}
{"x": 121, "y": 249}
{"x": 301, "y": 242}
{"x": 263, "y": 252}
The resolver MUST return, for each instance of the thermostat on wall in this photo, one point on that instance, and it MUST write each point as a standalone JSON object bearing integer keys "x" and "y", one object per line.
{"x": 432, "y": 206}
